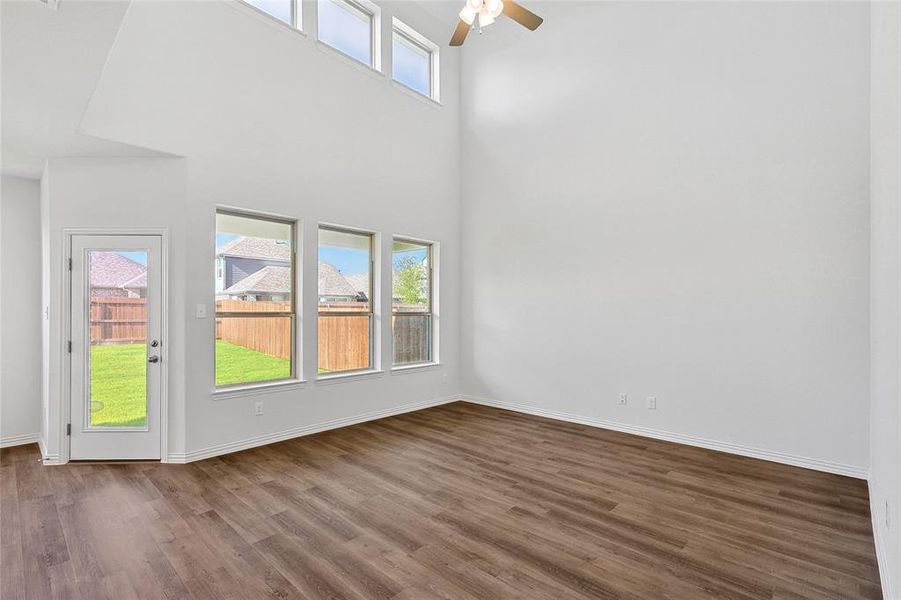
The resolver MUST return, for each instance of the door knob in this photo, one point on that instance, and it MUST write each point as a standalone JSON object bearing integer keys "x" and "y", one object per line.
{"x": 153, "y": 359}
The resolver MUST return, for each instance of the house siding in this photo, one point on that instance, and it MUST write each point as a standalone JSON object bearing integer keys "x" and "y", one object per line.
{"x": 237, "y": 269}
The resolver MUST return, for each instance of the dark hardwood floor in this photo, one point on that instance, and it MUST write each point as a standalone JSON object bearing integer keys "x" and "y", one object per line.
{"x": 459, "y": 501}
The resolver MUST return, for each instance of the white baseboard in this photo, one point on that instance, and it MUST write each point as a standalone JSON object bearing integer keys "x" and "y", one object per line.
{"x": 18, "y": 440}
{"x": 287, "y": 434}
{"x": 779, "y": 457}
{"x": 48, "y": 459}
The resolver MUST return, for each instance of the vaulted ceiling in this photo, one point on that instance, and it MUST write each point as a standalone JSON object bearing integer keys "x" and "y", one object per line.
{"x": 51, "y": 61}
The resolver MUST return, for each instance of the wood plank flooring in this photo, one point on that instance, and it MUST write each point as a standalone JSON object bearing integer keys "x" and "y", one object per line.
{"x": 454, "y": 502}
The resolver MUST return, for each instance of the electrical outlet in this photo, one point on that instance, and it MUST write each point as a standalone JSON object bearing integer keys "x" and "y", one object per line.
{"x": 201, "y": 311}
{"x": 652, "y": 402}
{"x": 623, "y": 399}
{"x": 257, "y": 409}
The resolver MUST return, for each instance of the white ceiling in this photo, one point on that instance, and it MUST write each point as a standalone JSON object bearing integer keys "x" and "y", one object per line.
{"x": 51, "y": 61}
{"x": 446, "y": 11}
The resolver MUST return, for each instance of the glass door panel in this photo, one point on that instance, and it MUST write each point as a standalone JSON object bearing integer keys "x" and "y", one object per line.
{"x": 117, "y": 362}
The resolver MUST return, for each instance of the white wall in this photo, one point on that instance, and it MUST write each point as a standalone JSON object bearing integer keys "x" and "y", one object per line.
{"x": 270, "y": 120}
{"x": 104, "y": 193}
{"x": 670, "y": 199}
{"x": 885, "y": 192}
{"x": 20, "y": 310}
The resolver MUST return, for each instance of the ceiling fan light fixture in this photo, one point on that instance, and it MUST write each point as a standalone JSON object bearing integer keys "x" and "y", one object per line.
{"x": 468, "y": 15}
{"x": 486, "y": 11}
{"x": 485, "y": 18}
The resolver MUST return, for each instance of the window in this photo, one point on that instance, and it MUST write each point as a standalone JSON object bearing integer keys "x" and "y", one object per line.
{"x": 287, "y": 11}
{"x": 345, "y": 300}
{"x": 412, "y": 290}
{"x": 351, "y": 26}
{"x": 414, "y": 60}
{"x": 255, "y": 299}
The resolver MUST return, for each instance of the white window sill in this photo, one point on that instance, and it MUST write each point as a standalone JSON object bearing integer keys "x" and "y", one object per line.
{"x": 349, "y": 60}
{"x": 253, "y": 389}
{"x": 414, "y": 368}
{"x": 328, "y": 379}
{"x": 408, "y": 91}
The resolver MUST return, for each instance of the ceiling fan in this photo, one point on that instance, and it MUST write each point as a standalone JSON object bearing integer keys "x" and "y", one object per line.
{"x": 487, "y": 11}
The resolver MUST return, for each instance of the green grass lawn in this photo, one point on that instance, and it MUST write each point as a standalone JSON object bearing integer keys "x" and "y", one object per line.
{"x": 119, "y": 378}
{"x": 118, "y": 385}
{"x": 237, "y": 364}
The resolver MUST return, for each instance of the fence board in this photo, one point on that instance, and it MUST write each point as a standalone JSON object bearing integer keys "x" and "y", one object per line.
{"x": 343, "y": 340}
{"x": 118, "y": 320}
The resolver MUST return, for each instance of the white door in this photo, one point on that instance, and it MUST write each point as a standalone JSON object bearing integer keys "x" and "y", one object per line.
{"x": 116, "y": 351}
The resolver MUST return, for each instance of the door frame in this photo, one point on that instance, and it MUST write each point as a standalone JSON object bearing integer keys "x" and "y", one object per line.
{"x": 66, "y": 329}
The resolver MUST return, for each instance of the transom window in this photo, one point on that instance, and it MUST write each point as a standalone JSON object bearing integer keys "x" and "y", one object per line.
{"x": 286, "y": 11}
{"x": 414, "y": 60}
{"x": 351, "y": 26}
{"x": 345, "y": 300}
{"x": 255, "y": 299}
{"x": 411, "y": 303}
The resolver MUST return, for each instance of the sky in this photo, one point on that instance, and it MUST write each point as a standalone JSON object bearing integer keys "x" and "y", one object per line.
{"x": 345, "y": 30}
{"x": 410, "y": 67}
{"x": 139, "y": 256}
{"x": 346, "y": 260}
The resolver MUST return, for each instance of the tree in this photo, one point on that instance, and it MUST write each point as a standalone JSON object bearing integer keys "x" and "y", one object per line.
{"x": 411, "y": 281}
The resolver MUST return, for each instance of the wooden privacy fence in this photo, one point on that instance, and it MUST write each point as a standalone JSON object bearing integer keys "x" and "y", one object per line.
{"x": 343, "y": 340}
{"x": 118, "y": 320}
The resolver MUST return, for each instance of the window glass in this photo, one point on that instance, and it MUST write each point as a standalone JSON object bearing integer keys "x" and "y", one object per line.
{"x": 118, "y": 359}
{"x": 411, "y": 64}
{"x": 255, "y": 311}
{"x": 345, "y": 300}
{"x": 346, "y": 27}
{"x": 411, "y": 302}
{"x": 280, "y": 9}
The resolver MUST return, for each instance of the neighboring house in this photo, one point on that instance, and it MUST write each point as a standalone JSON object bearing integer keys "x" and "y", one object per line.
{"x": 115, "y": 275}
{"x": 335, "y": 287}
{"x": 244, "y": 256}
{"x": 258, "y": 269}
{"x": 360, "y": 283}
{"x": 271, "y": 284}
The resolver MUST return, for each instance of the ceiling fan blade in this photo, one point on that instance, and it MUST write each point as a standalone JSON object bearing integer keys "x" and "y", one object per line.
{"x": 459, "y": 33}
{"x": 523, "y": 16}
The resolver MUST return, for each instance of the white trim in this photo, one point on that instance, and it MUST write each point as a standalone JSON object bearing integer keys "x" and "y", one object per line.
{"x": 412, "y": 368}
{"x": 48, "y": 459}
{"x": 770, "y": 455}
{"x": 252, "y": 389}
{"x": 287, "y": 434}
{"x": 19, "y": 440}
{"x": 882, "y": 559}
{"x": 374, "y": 12}
{"x": 65, "y": 382}
{"x": 339, "y": 376}
{"x": 263, "y": 16}
{"x": 426, "y": 45}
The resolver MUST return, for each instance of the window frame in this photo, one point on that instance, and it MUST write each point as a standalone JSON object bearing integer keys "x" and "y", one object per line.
{"x": 370, "y": 314}
{"x": 432, "y": 360}
{"x": 410, "y": 35}
{"x": 374, "y": 12}
{"x": 293, "y": 376}
{"x": 296, "y": 14}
